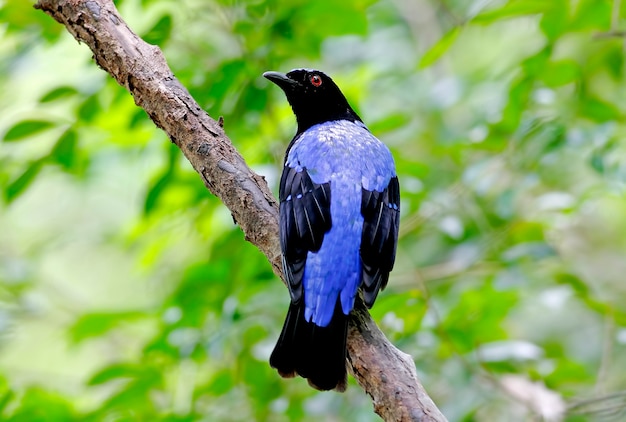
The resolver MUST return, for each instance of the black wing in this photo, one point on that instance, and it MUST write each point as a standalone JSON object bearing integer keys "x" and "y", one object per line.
{"x": 381, "y": 211}
{"x": 304, "y": 219}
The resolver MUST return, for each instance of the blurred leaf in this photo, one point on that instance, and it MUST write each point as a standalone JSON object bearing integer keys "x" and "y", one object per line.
{"x": 19, "y": 185}
{"x": 478, "y": 317}
{"x": 64, "y": 150}
{"x": 527, "y": 231}
{"x": 535, "y": 64}
{"x": 439, "y": 48}
{"x": 512, "y": 9}
{"x": 58, "y": 93}
{"x": 561, "y": 73}
{"x": 389, "y": 123}
{"x": 203, "y": 288}
{"x": 518, "y": 97}
{"x": 613, "y": 60}
{"x": 409, "y": 309}
{"x": 134, "y": 399}
{"x": 18, "y": 15}
{"x": 574, "y": 282}
{"x": 5, "y": 399}
{"x": 155, "y": 191}
{"x": 160, "y": 32}
{"x": 226, "y": 75}
{"x": 88, "y": 110}
{"x": 600, "y": 110}
{"x": 597, "y": 162}
{"x": 26, "y": 128}
{"x": 555, "y": 20}
{"x": 592, "y": 15}
{"x": 139, "y": 117}
{"x": 567, "y": 373}
{"x": 163, "y": 181}
{"x": 252, "y": 99}
{"x": 99, "y": 323}
{"x": 331, "y": 19}
{"x": 221, "y": 383}
{"x": 123, "y": 370}
{"x": 39, "y": 405}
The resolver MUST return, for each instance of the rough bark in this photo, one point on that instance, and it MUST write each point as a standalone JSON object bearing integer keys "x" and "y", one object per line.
{"x": 385, "y": 373}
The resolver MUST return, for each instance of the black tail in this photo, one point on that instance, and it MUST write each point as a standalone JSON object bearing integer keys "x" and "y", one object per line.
{"x": 313, "y": 352}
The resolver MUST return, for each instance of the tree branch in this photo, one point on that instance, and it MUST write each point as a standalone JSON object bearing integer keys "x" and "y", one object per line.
{"x": 385, "y": 373}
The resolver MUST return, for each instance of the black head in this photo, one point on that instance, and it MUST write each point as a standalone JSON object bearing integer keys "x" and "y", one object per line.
{"x": 313, "y": 96}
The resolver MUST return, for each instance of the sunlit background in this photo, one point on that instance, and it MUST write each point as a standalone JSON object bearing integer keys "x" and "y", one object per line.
{"x": 127, "y": 293}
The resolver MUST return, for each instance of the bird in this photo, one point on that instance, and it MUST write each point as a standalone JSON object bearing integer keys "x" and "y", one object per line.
{"x": 339, "y": 214}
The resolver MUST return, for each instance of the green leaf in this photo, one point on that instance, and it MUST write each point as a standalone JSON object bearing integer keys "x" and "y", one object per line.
{"x": 518, "y": 98}
{"x": 389, "y": 123}
{"x": 5, "y": 399}
{"x": 439, "y": 48}
{"x": 64, "y": 150}
{"x": 593, "y": 15}
{"x": 555, "y": 20}
{"x": 536, "y": 63}
{"x": 334, "y": 20}
{"x": 597, "y": 162}
{"x": 57, "y": 93}
{"x": 224, "y": 79}
{"x": 99, "y": 323}
{"x": 478, "y": 317}
{"x": 600, "y": 110}
{"x": 162, "y": 182}
{"x": 39, "y": 405}
{"x": 512, "y": 9}
{"x": 139, "y": 117}
{"x": 89, "y": 108}
{"x": 561, "y": 73}
{"x": 221, "y": 383}
{"x": 160, "y": 32}
{"x": 579, "y": 286}
{"x": 614, "y": 60}
{"x": 26, "y": 128}
{"x": 19, "y": 185}
{"x": 156, "y": 190}
{"x": 134, "y": 395}
{"x": 18, "y": 16}
{"x": 121, "y": 370}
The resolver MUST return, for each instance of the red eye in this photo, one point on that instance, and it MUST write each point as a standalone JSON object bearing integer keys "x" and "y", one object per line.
{"x": 316, "y": 80}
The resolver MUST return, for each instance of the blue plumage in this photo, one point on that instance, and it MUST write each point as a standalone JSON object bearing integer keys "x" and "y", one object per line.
{"x": 348, "y": 156}
{"x": 339, "y": 217}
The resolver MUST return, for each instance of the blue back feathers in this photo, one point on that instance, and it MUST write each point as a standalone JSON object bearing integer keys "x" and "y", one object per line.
{"x": 346, "y": 155}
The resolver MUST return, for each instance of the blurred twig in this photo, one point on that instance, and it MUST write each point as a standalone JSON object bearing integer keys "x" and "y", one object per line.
{"x": 614, "y": 32}
{"x": 607, "y": 406}
{"x": 610, "y": 34}
{"x": 607, "y": 347}
{"x": 617, "y": 5}
{"x": 457, "y": 21}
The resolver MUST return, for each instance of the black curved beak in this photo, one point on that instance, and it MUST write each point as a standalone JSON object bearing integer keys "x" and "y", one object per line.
{"x": 282, "y": 80}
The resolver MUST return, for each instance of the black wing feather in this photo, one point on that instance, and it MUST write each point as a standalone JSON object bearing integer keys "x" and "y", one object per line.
{"x": 304, "y": 219}
{"x": 381, "y": 213}
{"x": 303, "y": 348}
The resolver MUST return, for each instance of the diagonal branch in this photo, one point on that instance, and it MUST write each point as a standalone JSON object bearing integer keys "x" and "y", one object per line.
{"x": 385, "y": 373}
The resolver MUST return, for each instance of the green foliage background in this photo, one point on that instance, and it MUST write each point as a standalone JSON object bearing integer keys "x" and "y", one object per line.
{"x": 126, "y": 292}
